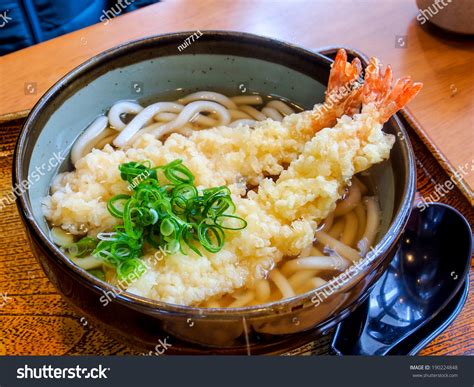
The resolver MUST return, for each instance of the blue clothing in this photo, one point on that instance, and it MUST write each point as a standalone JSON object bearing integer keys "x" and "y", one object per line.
{"x": 27, "y": 22}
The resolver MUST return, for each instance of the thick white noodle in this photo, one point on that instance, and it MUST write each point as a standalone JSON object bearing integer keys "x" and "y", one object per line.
{"x": 242, "y": 122}
{"x": 165, "y": 117}
{"x": 61, "y": 237}
{"x": 205, "y": 121}
{"x": 105, "y": 138}
{"x": 299, "y": 278}
{"x": 310, "y": 250}
{"x": 306, "y": 251}
{"x": 185, "y": 130}
{"x": 282, "y": 283}
{"x": 327, "y": 222}
{"x": 350, "y": 201}
{"x": 123, "y": 107}
{"x": 262, "y": 290}
{"x": 372, "y": 224}
{"x": 252, "y": 112}
{"x": 361, "y": 214}
{"x": 173, "y": 107}
{"x": 350, "y": 229}
{"x": 315, "y": 263}
{"x": 208, "y": 96}
{"x": 272, "y": 113}
{"x": 238, "y": 115}
{"x": 316, "y": 282}
{"x": 88, "y": 263}
{"x": 339, "y": 247}
{"x": 91, "y": 133}
{"x": 199, "y": 119}
{"x": 188, "y": 113}
{"x": 337, "y": 228}
{"x": 362, "y": 187}
{"x": 311, "y": 284}
{"x": 158, "y": 130}
{"x": 247, "y": 100}
{"x": 145, "y": 130}
{"x": 243, "y": 300}
{"x": 141, "y": 119}
{"x": 282, "y": 107}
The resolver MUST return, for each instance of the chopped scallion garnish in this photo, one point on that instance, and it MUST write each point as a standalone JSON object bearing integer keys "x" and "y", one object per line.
{"x": 171, "y": 217}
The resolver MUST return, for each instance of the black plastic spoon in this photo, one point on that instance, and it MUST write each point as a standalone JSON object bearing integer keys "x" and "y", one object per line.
{"x": 427, "y": 277}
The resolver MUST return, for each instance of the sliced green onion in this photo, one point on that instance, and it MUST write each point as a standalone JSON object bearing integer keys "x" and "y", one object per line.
{"x": 130, "y": 270}
{"x": 189, "y": 234}
{"x": 172, "y": 246}
{"x": 82, "y": 248}
{"x": 133, "y": 170}
{"x": 114, "y": 211}
{"x": 241, "y": 223}
{"x": 177, "y": 173}
{"x": 129, "y": 221}
{"x": 174, "y": 216}
{"x": 167, "y": 227}
{"x": 211, "y": 236}
{"x": 153, "y": 237}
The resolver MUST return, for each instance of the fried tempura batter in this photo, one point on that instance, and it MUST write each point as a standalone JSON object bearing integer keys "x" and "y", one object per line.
{"x": 282, "y": 215}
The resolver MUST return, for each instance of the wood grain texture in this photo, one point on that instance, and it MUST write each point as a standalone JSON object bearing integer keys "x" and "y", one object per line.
{"x": 445, "y": 107}
{"x": 35, "y": 320}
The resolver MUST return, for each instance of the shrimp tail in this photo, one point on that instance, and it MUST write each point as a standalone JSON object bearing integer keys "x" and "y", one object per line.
{"x": 378, "y": 89}
{"x": 342, "y": 94}
{"x": 343, "y": 74}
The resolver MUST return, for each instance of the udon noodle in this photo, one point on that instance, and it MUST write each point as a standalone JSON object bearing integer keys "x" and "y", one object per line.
{"x": 200, "y": 110}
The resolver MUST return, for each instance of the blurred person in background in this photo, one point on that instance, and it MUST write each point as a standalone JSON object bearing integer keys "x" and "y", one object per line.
{"x": 24, "y": 23}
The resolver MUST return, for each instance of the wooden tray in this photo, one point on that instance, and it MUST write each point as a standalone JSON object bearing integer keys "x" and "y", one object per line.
{"x": 35, "y": 320}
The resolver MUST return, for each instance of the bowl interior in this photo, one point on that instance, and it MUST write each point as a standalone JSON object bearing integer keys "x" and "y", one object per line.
{"x": 153, "y": 69}
{"x": 146, "y": 81}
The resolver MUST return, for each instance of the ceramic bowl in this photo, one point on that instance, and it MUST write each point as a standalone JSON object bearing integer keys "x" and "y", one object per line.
{"x": 454, "y": 16}
{"x": 226, "y": 61}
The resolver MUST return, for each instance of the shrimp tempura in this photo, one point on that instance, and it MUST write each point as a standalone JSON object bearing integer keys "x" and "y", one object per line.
{"x": 263, "y": 150}
{"x": 283, "y": 215}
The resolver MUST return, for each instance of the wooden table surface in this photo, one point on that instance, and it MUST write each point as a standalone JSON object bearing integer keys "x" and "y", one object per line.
{"x": 387, "y": 29}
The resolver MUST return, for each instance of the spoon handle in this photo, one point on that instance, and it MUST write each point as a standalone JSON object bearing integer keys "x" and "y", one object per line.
{"x": 352, "y": 337}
